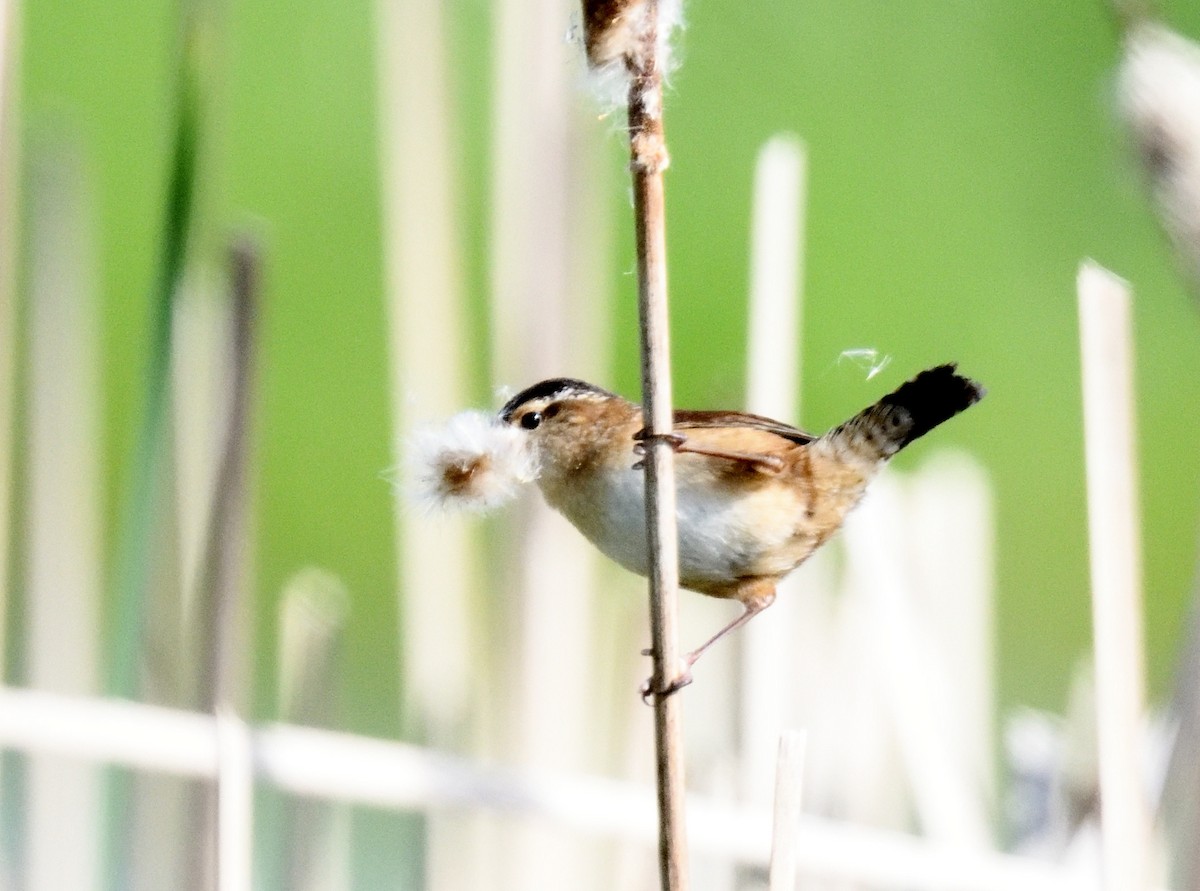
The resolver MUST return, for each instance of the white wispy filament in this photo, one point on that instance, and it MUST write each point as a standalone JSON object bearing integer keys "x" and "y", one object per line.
{"x": 869, "y": 360}
{"x": 475, "y": 462}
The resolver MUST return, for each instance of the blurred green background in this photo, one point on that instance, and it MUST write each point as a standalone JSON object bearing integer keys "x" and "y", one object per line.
{"x": 964, "y": 157}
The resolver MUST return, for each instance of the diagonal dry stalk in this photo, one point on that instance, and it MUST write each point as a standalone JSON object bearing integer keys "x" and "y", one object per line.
{"x": 626, "y": 32}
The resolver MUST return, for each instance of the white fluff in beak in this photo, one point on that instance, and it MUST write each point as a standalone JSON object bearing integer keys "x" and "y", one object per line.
{"x": 475, "y": 463}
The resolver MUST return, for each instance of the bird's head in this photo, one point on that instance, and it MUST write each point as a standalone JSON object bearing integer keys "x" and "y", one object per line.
{"x": 567, "y": 420}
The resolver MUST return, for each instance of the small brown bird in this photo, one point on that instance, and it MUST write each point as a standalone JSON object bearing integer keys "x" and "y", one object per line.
{"x": 755, "y": 497}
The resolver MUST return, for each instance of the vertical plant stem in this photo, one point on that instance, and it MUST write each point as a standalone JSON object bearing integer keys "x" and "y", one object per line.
{"x": 766, "y": 650}
{"x": 235, "y": 802}
{"x": 789, "y": 791}
{"x": 221, "y": 576}
{"x": 226, "y": 526}
{"x": 8, "y": 312}
{"x": 648, "y": 160}
{"x": 1106, "y": 352}
{"x": 62, "y": 562}
{"x": 429, "y": 367}
{"x": 141, "y": 516}
{"x": 1178, "y": 804}
{"x": 312, "y": 630}
{"x": 540, "y": 186}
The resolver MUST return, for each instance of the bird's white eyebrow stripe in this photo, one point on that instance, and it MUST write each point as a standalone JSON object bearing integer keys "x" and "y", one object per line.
{"x": 550, "y": 388}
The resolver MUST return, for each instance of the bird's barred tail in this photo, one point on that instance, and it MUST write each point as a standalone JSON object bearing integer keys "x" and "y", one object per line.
{"x": 878, "y": 432}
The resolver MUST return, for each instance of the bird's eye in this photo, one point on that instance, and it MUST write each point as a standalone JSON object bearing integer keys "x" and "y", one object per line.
{"x": 531, "y": 419}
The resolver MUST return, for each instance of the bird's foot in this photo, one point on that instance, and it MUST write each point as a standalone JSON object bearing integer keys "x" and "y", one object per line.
{"x": 651, "y": 695}
{"x": 674, "y": 440}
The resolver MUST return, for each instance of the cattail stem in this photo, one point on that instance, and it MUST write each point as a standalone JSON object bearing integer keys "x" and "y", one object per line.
{"x": 648, "y": 160}
{"x": 626, "y": 33}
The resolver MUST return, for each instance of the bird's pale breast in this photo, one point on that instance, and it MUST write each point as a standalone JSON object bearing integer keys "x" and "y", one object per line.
{"x": 726, "y": 532}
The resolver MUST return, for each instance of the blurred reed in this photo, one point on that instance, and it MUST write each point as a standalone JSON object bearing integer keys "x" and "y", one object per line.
{"x": 1107, "y": 356}
{"x": 773, "y": 389}
{"x": 62, "y": 547}
{"x": 221, "y": 582}
{"x": 10, "y": 250}
{"x": 143, "y": 510}
{"x": 167, "y": 816}
{"x": 952, "y": 554}
{"x": 1178, "y": 804}
{"x": 234, "y": 817}
{"x": 312, "y": 630}
{"x": 431, "y": 372}
{"x": 226, "y": 813}
{"x": 430, "y": 352}
{"x": 548, "y": 317}
{"x": 785, "y": 822}
{"x": 143, "y": 558}
{"x": 9, "y": 165}
{"x": 918, "y": 678}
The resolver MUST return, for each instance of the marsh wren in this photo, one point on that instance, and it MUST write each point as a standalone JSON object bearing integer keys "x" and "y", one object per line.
{"x": 755, "y": 497}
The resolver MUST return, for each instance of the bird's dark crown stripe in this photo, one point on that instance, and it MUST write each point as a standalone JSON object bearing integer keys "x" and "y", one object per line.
{"x": 548, "y": 389}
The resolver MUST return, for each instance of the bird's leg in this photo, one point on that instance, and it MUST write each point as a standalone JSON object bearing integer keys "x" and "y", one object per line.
{"x": 752, "y": 609}
{"x": 680, "y": 443}
{"x": 755, "y": 600}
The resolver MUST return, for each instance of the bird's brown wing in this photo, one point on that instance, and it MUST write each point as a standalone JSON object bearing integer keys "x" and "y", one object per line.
{"x": 736, "y": 438}
{"x": 707, "y": 420}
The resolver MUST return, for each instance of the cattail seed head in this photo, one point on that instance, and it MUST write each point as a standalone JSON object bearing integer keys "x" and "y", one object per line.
{"x": 612, "y": 29}
{"x": 620, "y": 35}
{"x": 1159, "y": 82}
{"x": 475, "y": 462}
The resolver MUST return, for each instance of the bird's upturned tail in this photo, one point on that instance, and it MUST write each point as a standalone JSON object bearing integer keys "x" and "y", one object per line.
{"x": 878, "y": 432}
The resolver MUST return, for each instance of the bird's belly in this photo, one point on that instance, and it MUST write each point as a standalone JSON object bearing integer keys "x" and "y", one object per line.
{"x": 721, "y": 538}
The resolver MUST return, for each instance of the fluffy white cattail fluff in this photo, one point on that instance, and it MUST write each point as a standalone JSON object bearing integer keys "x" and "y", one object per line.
{"x": 475, "y": 462}
{"x": 1160, "y": 99}
{"x": 614, "y": 33}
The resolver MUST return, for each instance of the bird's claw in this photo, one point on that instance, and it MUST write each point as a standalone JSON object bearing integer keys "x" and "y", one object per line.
{"x": 674, "y": 440}
{"x": 683, "y": 676}
{"x": 652, "y": 696}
